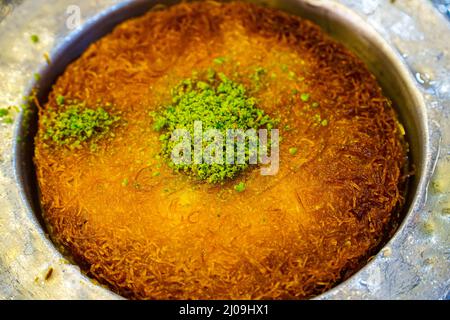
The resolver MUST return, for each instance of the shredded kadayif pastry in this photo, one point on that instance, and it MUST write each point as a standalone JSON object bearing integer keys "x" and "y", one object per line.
{"x": 134, "y": 224}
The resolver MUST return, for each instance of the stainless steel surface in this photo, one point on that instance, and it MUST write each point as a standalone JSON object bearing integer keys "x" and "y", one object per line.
{"x": 443, "y": 6}
{"x": 402, "y": 43}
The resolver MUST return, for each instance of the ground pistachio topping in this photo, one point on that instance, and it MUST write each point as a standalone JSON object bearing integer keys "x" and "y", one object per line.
{"x": 293, "y": 151}
{"x": 73, "y": 123}
{"x": 6, "y": 115}
{"x": 34, "y": 38}
{"x": 240, "y": 187}
{"x": 219, "y": 103}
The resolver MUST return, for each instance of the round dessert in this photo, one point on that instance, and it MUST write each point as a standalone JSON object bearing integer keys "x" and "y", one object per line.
{"x": 119, "y": 204}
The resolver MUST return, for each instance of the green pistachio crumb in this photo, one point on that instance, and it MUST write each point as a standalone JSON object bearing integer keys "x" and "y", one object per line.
{"x": 211, "y": 74}
{"x": 156, "y": 174}
{"x": 257, "y": 76}
{"x": 428, "y": 228}
{"x": 4, "y": 112}
{"x": 159, "y": 124}
{"x": 8, "y": 120}
{"x": 291, "y": 75}
{"x": 317, "y": 118}
{"x": 5, "y": 116}
{"x": 324, "y": 122}
{"x": 240, "y": 187}
{"x": 315, "y": 104}
{"x": 125, "y": 182}
{"x": 60, "y": 100}
{"x": 93, "y": 147}
{"x": 37, "y": 76}
{"x": 293, "y": 151}
{"x": 219, "y": 60}
{"x": 305, "y": 97}
{"x": 34, "y": 38}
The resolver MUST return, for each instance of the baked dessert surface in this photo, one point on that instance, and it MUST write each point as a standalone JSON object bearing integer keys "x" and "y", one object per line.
{"x": 147, "y": 232}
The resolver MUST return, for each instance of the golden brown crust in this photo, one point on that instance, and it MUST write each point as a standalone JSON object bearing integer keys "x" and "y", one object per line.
{"x": 292, "y": 236}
